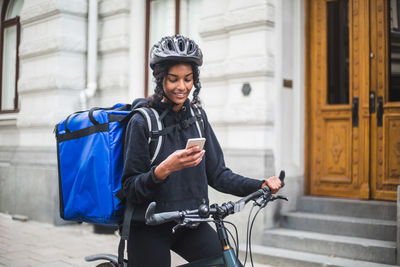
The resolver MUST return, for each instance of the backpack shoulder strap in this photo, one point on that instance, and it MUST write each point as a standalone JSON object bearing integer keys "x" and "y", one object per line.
{"x": 124, "y": 232}
{"x": 199, "y": 119}
{"x": 154, "y": 125}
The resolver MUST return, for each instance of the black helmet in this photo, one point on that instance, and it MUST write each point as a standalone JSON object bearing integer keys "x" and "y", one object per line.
{"x": 177, "y": 48}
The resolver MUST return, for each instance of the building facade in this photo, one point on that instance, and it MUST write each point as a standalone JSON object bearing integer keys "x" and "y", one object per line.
{"x": 286, "y": 85}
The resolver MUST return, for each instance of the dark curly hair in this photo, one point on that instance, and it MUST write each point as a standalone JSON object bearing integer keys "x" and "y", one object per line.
{"x": 160, "y": 71}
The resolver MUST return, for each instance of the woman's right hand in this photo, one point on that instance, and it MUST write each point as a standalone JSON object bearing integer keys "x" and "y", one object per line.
{"x": 179, "y": 160}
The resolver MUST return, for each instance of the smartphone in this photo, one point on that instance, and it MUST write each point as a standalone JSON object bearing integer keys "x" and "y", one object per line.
{"x": 195, "y": 142}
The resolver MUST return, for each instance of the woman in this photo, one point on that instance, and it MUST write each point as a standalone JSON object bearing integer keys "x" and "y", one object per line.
{"x": 178, "y": 178}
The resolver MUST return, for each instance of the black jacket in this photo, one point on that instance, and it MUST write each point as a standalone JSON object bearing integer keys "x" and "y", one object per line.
{"x": 184, "y": 189}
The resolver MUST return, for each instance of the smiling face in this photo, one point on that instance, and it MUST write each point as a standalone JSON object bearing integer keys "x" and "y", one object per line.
{"x": 177, "y": 84}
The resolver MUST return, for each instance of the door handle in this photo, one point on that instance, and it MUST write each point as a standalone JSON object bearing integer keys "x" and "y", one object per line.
{"x": 379, "y": 112}
{"x": 355, "y": 111}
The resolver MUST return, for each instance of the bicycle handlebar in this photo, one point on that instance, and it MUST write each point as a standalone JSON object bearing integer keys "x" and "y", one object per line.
{"x": 153, "y": 218}
{"x": 159, "y": 218}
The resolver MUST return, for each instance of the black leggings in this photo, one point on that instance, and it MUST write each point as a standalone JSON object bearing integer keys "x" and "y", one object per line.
{"x": 151, "y": 245}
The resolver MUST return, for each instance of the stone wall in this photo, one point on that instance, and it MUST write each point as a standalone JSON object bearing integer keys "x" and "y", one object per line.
{"x": 52, "y": 74}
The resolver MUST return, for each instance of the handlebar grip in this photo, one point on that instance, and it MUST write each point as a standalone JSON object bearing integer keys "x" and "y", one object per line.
{"x": 159, "y": 218}
{"x": 282, "y": 178}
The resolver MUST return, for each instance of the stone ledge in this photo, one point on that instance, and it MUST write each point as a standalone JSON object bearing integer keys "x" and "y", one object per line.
{"x": 46, "y": 82}
{"x": 8, "y": 119}
{"x": 249, "y": 152}
{"x": 232, "y": 20}
{"x": 113, "y": 81}
{"x": 112, "y": 7}
{"x": 252, "y": 16}
{"x": 242, "y": 123}
{"x": 28, "y": 155}
{"x": 115, "y": 43}
{"x": 240, "y": 67}
{"x": 52, "y": 44}
{"x": 39, "y": 10}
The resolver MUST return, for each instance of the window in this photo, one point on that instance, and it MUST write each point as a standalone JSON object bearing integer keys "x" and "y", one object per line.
{"x": 10, "y": 30}
{"x": 168, "y": 17}
{"x": 338, "y": 52}
{"x": 394, "y": 51}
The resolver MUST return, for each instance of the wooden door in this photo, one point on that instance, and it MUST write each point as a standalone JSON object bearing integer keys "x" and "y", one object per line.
{"x": 337, "y": 98}
{"x": 353, "y": 98}
{"x": 385, "y": 98}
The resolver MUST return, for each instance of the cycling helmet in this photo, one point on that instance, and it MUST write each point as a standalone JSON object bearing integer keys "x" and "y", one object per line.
{"x": 177, "y": 48}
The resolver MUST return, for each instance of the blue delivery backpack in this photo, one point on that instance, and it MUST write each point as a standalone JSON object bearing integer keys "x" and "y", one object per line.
{"x": 90, "y": 148}
{"x": 90, "y": 162}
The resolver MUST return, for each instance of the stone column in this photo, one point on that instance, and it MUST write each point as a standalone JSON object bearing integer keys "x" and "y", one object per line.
{"x": 238, "y": 91}
{"x": 114, "y": 52}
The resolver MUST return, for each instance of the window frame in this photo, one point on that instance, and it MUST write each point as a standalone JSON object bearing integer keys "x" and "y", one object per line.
{"x": 3, "y": 25}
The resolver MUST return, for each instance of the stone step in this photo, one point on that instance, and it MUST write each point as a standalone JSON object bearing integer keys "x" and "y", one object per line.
{"x": 332, "y": 245}
{"x": 283, "y": 257}
{"x": 383, "y": 210}
{"x": 340, "y": 225}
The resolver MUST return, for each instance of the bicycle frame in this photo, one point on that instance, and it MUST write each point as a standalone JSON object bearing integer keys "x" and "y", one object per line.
{"x": 228, "y": 257}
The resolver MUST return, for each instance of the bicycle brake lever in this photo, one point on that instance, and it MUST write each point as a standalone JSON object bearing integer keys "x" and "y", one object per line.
{"x": 279, "y": 197}
{"x": 282, "y": 197}
{"x": 263, "y": 200}
{"x": 176, "y": 227}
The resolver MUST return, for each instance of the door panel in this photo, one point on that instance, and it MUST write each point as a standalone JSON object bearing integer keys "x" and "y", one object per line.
{"x": 385, "y": 122}
{"x": 339, "y": 126}
{"x": 392, "y": 149}
{"x": 337, "y": 160}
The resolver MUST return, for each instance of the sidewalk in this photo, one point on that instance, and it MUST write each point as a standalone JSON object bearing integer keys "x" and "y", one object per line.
{"x": 38, "y": 244}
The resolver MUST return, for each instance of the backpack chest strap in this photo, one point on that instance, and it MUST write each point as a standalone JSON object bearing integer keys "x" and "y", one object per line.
{"x": 180, "y": 126}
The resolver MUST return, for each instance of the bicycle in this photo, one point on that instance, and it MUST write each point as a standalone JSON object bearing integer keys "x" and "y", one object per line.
{"x": 191, "y": 218}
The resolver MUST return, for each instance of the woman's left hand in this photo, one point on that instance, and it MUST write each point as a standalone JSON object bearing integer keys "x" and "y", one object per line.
{"x": 274, "y": 183}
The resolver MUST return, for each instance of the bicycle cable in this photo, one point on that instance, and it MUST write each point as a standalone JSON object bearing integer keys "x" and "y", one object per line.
{"x": 247, "y": 235}
{"x": 235, "y": 242}
{"x": 251, "y": 229}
